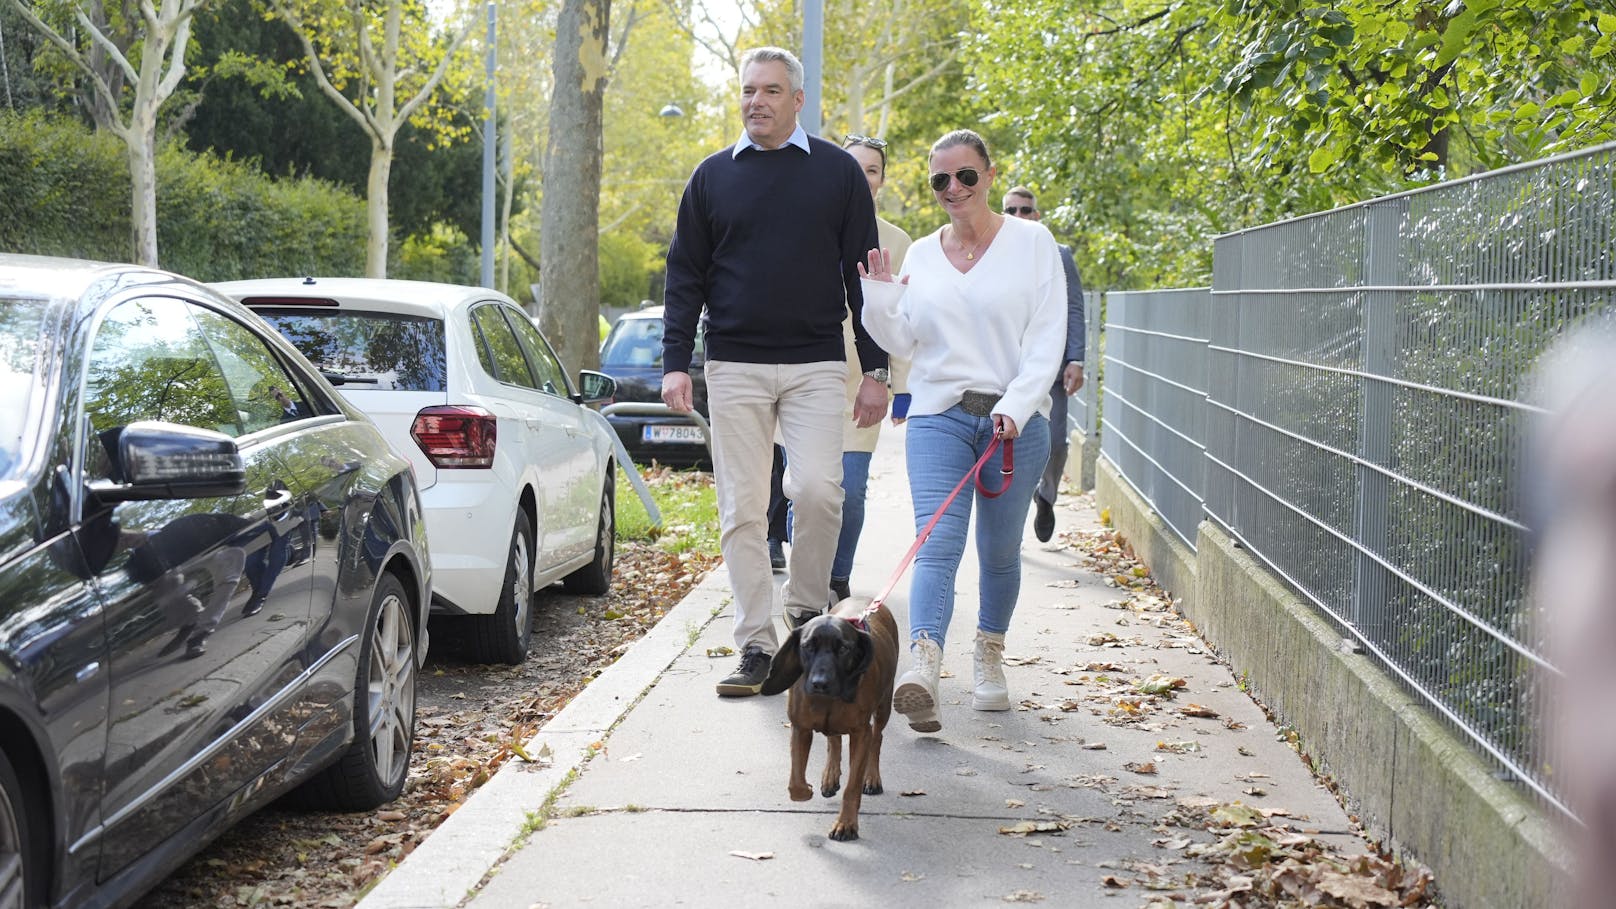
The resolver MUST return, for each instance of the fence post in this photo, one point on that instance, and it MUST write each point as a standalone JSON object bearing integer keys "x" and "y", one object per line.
{"x": 1382, "y": 233}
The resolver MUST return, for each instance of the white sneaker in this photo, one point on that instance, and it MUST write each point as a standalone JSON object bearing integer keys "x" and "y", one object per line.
{"x": 916, "y": 693}
{"x": 991, "y": 691}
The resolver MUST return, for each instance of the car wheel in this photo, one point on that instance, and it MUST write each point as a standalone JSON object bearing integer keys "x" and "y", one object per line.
{"x": 372, "y": 771}
{"x": 504, "y": 636}
{"x": 20, "y": 885}
{"x": 596, "y": 577}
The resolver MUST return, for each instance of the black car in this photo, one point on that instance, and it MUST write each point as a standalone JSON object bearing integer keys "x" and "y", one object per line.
{"x": 213, "y": 582}
{"x": 632, "y": 354}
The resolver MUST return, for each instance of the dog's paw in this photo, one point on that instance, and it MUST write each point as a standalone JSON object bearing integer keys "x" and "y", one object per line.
{"x": 829, "y": 789}
{"x": 800, "y": 792}
{"x": 843, "y": 833}
{"x": 873, "y": 787}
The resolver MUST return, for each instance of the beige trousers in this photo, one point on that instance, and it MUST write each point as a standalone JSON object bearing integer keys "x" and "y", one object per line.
{"x": 807, "y": 402}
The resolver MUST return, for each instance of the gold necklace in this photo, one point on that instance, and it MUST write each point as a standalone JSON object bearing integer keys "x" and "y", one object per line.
{"x": 971, "y": 255}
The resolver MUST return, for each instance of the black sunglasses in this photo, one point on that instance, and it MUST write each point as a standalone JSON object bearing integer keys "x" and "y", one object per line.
{"x": 1019, "y": 209}
{"x": 871, "y": 141}
{"x": 966, "y": 175}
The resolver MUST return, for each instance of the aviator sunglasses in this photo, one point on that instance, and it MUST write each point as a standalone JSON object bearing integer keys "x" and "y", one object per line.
{"x": 966, "y": 175}
{"x": 871, "y": 141}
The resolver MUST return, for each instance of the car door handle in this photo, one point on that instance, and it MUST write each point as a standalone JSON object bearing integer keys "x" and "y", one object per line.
{"x": 277, "y": 502}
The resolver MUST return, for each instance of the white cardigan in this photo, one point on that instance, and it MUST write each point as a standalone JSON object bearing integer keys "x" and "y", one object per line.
{"x": 999, "y": 328}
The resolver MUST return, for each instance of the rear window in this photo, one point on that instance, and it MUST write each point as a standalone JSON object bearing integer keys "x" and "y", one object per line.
{"x": 637, "y": 342}
{"x": 367, "y": 350}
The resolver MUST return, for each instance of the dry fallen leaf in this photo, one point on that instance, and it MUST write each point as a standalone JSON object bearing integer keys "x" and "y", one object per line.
{"x": 1136, "y": 767}
{"x": 1023, "y": 896}
{"x": 754, "y": 856}
{"x": 909, "y": 877}
{"x": 1022, "y": 828}
{"x": 1196, "y": 710}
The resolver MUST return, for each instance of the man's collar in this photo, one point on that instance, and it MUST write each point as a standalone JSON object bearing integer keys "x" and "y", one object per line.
{"x": 799, "y": 138}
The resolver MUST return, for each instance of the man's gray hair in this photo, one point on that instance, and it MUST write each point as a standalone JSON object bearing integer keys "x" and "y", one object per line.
{"x": 1024, "y": 193}
{"x": 772, "y": 54}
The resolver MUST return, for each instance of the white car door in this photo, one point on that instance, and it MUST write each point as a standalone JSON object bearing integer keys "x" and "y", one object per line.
{"x": 591, "y": 452}
{"x": 548, "y": 433}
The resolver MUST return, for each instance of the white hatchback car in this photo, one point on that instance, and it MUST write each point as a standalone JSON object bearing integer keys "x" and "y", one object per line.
{"x": 516, "y": 473}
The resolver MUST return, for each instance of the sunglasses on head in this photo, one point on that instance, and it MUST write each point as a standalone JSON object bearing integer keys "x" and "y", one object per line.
{"x": 1019, "y": 209}
{"x": 871, "y": 141}
{"x": 966, "y": 175}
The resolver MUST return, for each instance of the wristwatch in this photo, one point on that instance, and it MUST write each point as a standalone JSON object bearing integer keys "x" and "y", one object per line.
{"x": 880, "y": 375}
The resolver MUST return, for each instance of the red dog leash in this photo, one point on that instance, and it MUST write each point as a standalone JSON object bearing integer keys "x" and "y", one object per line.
{"x": 1006, "y": 475}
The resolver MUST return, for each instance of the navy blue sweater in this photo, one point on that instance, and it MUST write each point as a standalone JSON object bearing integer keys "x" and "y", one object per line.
{"x": 769, "y": 242}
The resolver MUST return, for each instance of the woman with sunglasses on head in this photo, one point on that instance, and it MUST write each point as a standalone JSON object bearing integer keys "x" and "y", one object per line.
{"x": 978, "y": 308}
{"x": 859, "y": 443}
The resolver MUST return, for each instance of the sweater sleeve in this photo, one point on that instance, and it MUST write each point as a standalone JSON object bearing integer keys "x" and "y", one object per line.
{"x": 1043, "y": 338}
{"x": 1076, "y": 326}
{"x": 689, "y": 257}
{"x": 886, "y": 319}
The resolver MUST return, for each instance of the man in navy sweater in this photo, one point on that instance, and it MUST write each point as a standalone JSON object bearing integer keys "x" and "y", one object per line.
{"x": 769, "y": 237}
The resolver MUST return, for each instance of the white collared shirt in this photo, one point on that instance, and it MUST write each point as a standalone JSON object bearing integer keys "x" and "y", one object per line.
{"x": 798, "y": 137}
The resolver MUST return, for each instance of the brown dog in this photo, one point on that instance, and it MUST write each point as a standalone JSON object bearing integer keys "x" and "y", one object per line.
{"x": 840, "y": 668}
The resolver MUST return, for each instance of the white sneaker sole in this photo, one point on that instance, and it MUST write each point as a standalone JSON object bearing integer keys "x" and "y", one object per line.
{"x": 917, "y": 705}
{"x": 1000, "y": 702}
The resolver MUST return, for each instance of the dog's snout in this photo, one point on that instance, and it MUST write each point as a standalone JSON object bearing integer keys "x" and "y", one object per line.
{"x": 819, "y": 683}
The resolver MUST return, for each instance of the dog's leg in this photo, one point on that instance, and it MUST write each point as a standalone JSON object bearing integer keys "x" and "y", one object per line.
{"x": 872, "y": 769}
{"x": 832, "y": 780}
{"x": 801, "y": 740}
{"x": 858, "y": 753}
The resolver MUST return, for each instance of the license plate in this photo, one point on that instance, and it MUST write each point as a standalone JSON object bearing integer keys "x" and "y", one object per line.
{"x": 672, "y": 433}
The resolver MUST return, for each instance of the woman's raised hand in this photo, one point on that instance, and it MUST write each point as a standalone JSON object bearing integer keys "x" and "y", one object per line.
{"x": 880, "y": 267}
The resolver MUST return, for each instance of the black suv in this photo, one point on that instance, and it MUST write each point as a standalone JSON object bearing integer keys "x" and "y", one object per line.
{"x": 632, "y": 354}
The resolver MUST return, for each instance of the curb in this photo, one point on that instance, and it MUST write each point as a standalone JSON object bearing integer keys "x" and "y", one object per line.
{"x": 447, "y": 866}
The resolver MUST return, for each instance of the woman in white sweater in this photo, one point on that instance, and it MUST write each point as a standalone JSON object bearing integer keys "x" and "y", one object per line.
{"x": 979, "y": 311}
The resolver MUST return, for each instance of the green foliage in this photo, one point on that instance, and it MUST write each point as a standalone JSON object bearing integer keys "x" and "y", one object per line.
{"x": 67, "y": 194}
{"x": 441, "y": 254}
{"x": 1152, "y": 128}
{"x": 627, "y": 263}
{"x": 688, "y": 504}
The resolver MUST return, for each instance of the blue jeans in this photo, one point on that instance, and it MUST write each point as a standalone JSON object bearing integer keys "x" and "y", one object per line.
{"x": 941, "y": 447}
{"x": 855, "y": 479}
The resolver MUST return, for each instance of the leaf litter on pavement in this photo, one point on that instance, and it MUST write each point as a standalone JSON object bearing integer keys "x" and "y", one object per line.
{"x": 1223, "y": 854}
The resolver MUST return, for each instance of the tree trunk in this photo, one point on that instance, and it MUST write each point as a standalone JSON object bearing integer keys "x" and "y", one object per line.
{"x": 569, "y": 242}
{"x": 143, "y": 196}
{"x": 381, "y": 165}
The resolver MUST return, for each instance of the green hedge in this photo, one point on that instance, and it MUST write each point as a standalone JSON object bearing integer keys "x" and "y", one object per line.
{"x": 67, "y": 194}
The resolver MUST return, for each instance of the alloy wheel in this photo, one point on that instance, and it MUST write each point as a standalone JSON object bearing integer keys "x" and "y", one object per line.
{"x": 392, "y": 689}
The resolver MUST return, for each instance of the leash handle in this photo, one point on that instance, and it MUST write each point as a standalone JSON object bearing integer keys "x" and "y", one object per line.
{"x": 974, "y": 473}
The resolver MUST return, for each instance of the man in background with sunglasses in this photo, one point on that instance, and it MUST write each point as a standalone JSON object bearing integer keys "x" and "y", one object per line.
{"x": 769, "y": 238}
{"x": 1019, "y": 202}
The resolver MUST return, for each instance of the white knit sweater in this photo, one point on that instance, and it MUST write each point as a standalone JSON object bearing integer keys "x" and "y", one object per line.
{"x": 999, "y": 328}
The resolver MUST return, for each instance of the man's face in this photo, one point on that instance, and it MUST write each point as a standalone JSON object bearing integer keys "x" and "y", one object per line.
{"x": 768, "y": 105}
{"x": 1021, "y": 207}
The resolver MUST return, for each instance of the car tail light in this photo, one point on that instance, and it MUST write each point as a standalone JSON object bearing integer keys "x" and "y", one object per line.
{"x": 453, "y": 436}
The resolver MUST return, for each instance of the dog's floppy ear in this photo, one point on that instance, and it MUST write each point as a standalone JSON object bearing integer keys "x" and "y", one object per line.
{"x": 786, "y": 667}
{"x": 854, "y": 664}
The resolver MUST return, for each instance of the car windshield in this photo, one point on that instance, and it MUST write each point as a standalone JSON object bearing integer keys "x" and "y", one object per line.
{"x": 20, "y": 348}
{"x": 365, "y": 349}
{"x": 637, "y": 342}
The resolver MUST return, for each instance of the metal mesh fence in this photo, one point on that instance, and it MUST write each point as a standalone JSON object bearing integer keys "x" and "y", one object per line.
{"x": 1155, "y": 399}
{"x": 1083, "y": 409}
{"x": 1366, "y": 379}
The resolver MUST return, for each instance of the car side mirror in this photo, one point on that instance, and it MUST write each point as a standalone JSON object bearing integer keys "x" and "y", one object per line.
{"x": 595, "y": 387}
{"x": 168, "y": 461}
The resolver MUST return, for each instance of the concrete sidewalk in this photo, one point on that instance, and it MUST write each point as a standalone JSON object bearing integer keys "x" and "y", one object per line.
{"x": 659, "y": 793}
